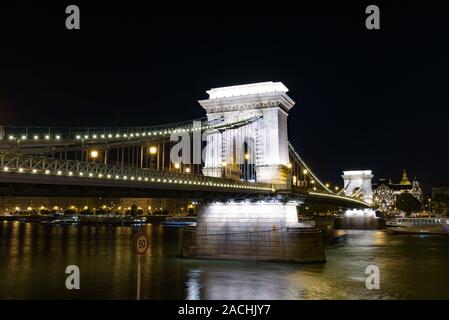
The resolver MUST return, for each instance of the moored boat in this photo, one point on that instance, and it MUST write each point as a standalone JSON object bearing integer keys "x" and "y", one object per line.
{"x": 179, "y": 222}
{"x": 437, "y": 226}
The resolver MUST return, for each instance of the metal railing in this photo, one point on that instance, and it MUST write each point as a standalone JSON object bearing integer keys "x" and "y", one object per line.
{"x": 25, "y": 164}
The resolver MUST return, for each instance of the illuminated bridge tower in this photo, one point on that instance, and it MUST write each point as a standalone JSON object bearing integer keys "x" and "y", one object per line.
{"x": 257, "y": 228}
{"x": 268, "y": 104}
{"x": 358, "y": 183}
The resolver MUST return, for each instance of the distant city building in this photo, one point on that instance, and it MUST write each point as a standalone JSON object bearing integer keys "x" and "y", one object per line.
{"x": 385, "y": 192}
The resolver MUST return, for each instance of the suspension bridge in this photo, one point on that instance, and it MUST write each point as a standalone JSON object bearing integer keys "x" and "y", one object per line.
{"x": 242, "y": 165}
{"x": 135, "y": 161}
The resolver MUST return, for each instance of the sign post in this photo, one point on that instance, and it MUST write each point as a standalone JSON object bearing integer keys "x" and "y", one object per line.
{"x": 141, "y": 245}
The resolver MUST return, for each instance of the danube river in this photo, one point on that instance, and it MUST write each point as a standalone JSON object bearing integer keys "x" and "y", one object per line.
{"x": 34, "y": 256}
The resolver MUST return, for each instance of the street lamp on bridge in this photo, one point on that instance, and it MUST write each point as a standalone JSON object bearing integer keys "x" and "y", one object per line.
{"x": 153, "y": 151}
{"x": 94, "y": 154}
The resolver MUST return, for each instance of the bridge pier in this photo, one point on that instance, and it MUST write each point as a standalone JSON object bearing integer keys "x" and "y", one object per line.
{"x": 262, "y": 230}
{"x": 360, "y": 219}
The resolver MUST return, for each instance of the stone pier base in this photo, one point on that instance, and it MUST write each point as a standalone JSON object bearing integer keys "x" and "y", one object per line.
{"x": 267, "y": 231}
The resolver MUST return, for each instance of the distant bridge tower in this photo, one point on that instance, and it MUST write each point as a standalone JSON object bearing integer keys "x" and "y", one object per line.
{"x": 358, "y": 183}
{"x": 266, "y": 137}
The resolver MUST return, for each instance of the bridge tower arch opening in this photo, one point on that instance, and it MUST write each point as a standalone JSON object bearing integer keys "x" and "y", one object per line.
{"x": 267, "y": 102}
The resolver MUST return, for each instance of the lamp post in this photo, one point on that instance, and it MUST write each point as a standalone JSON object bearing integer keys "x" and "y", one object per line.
{"x": 247, "y": 168}
{"x": 223, "y": 165}
{"x": 94, "y": 154}
{"x": 304, "y": 174}
{"x": 153, "y": 151}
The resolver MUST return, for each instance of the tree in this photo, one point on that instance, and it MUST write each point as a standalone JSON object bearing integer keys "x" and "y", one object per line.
{"x": 407, "y": 202}
{"x": 440, "y": 204}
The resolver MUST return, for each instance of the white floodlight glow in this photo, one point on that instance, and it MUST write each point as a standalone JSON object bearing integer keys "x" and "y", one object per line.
{"x": 247, "y": 89}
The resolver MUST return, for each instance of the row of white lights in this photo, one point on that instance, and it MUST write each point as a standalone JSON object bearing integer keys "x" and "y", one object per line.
{"x": 125, "y": 135}
{"x": 337, "y": 196}
{"x": 35, "y": 137}
{"x": 108, "y": 176}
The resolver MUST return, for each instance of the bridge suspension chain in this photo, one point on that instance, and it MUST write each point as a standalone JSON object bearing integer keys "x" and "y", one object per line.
{"x": 38, "y": 135}
{"x": 303, "y": 163}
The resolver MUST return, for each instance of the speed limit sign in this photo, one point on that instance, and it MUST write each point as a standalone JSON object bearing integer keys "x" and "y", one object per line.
{"x": 141, "y": 243}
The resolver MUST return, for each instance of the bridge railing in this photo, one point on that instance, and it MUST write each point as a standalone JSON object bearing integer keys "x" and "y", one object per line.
{"x": 25, "y": 164}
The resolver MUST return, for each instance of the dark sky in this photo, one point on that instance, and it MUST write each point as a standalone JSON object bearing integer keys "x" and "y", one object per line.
{"x": 364, "y": 99}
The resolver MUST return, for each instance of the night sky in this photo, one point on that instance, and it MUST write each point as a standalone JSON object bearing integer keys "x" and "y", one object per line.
{"x": 364, "y": 99}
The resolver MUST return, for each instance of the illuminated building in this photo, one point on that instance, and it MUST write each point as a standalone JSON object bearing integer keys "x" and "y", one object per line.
{"x": 386, "y": 192}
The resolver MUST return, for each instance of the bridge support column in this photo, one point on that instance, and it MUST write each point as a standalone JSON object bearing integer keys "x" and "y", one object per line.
{"x": 260, "y": 230}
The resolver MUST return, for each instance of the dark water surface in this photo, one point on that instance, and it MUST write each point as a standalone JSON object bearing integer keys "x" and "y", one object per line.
{"x": 33, "y": 259}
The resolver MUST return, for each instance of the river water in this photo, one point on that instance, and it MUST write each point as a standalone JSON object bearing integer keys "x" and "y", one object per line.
{"x": 34, "y": 256}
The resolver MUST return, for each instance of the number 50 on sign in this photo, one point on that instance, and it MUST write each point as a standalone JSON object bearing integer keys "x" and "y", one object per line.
{"x": 141, "y": 243}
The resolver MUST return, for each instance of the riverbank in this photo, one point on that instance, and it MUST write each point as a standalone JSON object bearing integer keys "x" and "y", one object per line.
{"x": 94, "y": 219}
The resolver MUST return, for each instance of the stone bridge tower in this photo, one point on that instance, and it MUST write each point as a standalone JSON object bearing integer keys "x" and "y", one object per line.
{"x": 267, "y": 135}
{"x": 358, "y": 183}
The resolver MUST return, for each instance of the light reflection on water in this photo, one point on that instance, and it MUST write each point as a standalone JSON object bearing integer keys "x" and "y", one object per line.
{"x": 33, "y": 258}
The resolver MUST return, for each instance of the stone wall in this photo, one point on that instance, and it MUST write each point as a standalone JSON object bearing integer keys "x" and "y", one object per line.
{"x": 252, "y": 231}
